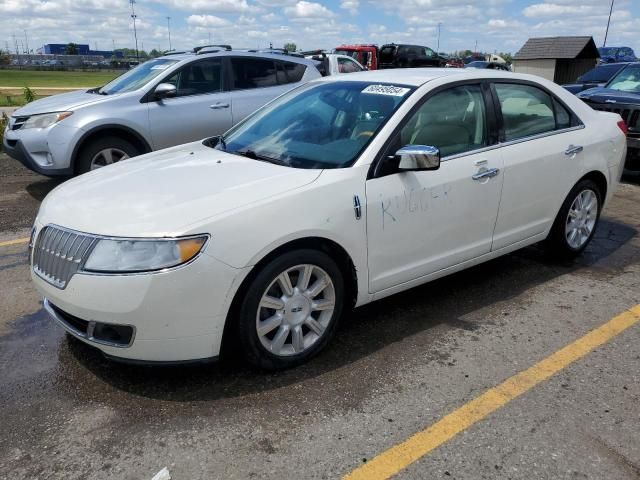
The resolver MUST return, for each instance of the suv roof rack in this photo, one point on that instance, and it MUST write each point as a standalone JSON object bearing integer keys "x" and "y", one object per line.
{"x": 174, "y": 52}
{"x": 210, "y": 48}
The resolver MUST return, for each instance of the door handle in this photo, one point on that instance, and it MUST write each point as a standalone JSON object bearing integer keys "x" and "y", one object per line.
{"x": 218, "y": 106}
{"x": 573, "y": 149}
{"x": 492, "y": 172}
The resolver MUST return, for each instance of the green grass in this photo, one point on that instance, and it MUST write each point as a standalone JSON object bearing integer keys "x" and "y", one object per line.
{"x": 28, "y": 78}
{"x": 14, "y": 100}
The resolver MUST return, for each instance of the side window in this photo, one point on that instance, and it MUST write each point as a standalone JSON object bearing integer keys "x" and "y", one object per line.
{"x": 346, "y": 65}
{"x": 563, "y": 117}
{"x": 526, "y": 110}
{"x": 197, "y": 78}
{"x": 253, "y": 73}
{"x": 453, "y": 120}
{"x": 429, "y": 53}
{"x": 294, "y": 71}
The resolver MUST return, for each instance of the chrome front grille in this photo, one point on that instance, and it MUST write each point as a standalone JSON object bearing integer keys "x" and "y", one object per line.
{"x": 59, "y": 253}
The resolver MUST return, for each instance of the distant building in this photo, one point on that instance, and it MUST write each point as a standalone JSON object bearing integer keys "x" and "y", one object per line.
{"x": 559, "y": 59}
{"x": 83, "y": 49}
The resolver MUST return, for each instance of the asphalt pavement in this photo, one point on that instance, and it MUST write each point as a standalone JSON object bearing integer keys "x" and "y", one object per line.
{"x": 395, "y": 368}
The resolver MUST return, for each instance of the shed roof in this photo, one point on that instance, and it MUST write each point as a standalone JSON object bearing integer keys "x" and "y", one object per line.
{"x": 558, "y": 47}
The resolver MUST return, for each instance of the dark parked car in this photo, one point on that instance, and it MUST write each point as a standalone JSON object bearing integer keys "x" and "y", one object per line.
{"x": 409, "y": 56}
{"x": 489, "y": 65}
{"x": 616, "y": 54}
{"x": 622, "y": 95}
{"x": 596, "y": 77}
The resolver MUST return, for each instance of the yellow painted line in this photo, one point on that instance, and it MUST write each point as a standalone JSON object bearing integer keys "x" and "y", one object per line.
{"x": 400, "y": 456}
{"x": 17, "y": 241}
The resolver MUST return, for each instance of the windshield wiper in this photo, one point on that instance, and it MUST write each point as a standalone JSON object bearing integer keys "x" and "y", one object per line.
{"x": 253, "y": 155}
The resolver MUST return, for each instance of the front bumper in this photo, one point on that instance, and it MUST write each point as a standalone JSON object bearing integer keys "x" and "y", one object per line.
{"x": 175, "y": 316}
{"x": 16, "y": 150}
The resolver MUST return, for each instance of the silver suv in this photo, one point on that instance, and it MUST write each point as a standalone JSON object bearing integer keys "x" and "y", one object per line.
{"x": 163, "y": 102}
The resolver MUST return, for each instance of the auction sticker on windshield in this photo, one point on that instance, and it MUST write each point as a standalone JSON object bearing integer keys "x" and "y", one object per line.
{"x": 386, "y": 90}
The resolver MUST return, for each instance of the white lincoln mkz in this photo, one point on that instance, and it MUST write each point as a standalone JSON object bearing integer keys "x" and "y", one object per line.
{"x": 340, "y": 192}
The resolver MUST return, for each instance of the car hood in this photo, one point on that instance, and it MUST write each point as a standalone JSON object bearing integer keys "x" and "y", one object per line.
{"x": 167, "y": 193}
{"x": 609, "y": 95}
{"x": 59, "y": 103}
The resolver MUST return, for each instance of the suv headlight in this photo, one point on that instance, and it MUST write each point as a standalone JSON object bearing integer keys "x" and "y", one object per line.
{"x": 143, "y": 255}
{"x": 44, "y": 120}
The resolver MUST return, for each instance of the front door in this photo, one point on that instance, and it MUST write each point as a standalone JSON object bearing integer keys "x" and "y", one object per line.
{"x": 420, "y": 222}
{"x": 201, "y": 108}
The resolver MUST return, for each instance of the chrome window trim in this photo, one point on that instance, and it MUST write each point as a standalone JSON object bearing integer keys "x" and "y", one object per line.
{"x": 82, "y": 271}
{"x": 90, "y": 328}
{"x": 512, "y": 142}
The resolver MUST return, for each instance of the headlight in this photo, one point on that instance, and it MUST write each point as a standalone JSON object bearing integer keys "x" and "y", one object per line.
{"x": 45, "y": 119}
{"x": 121, "y": 256}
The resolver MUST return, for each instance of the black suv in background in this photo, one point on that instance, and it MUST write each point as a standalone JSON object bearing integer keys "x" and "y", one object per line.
{"x": 622, "y": 96}
{"x": 408, "y": 56}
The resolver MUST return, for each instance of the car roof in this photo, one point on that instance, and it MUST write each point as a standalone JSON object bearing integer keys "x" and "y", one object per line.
{"x": 236, "y": 53}
{"x": 416, "y": 77}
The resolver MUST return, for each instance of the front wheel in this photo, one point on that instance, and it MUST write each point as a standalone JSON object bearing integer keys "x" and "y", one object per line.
{"x": 576, "y": 221}
{"x": 103, "y": 152}
{"x": 291, "y": 309}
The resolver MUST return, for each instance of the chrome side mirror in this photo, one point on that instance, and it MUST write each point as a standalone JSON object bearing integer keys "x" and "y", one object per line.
{"x": 165, "y": 90}
{"x": 418, "y": 157}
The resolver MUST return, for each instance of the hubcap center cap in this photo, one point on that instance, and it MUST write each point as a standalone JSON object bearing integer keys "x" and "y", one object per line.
{"x": 296, "y": 309}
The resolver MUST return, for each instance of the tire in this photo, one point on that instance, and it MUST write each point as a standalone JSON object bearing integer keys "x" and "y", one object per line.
{"x": 561, "y": 242}
{"x": 93, "y": 155}
{"x": 274, "y": 347}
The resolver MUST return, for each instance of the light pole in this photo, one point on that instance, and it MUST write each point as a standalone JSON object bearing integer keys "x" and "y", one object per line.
{"x": 608, "y": 22}
{"x": 169, "y": 31}
{"x": 438, "y": 47}
{"x": 26, "y": 41}
{"x": 135, "y": 33}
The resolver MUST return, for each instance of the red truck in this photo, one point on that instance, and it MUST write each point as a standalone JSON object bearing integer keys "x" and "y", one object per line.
{"x": 365, "y": 54}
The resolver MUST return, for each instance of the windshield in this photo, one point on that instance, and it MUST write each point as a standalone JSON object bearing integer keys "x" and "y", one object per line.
{"x": 608, "y": 51}
{"x": 323, "y": 125}
{"x": 477, "y": 65}
{"x": 137, "y": 77}
{"x": 601, "y": 74}
{"x": 348, "y": 53}
{"x": 627, "y": 80}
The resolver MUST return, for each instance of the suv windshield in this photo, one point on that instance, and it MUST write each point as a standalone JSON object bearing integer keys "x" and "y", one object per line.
{"x": 627, "y": 80}
{"x": 601, "y": 74}
{"x": 323, "y": 125}
{"x": 137, "y": 77}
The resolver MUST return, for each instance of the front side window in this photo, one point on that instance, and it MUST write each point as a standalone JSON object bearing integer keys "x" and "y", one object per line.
{"x": 137, "y": 77}
{"x": 526, "y": 110}
{"x": 251, "y": 72}
{"x": 323, "y": 125}
{"x": 198, "y": 77}
{"x": 346, "y": 65}
{"x": 627, "y": 80}
{"x": 454, "y": 121}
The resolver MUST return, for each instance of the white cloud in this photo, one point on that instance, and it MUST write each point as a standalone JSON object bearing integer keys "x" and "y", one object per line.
{"x": 350, "y": 5}
{"x": 206, "y": 21}
{"x": 308, "y": 11}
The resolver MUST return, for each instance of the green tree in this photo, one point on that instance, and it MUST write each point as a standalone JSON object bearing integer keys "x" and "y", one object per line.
{"x": 290, "y": 47}
{"x": 4, "y": 58}
{"x": 155, "y": 53}
{"x": 71, "y": 49}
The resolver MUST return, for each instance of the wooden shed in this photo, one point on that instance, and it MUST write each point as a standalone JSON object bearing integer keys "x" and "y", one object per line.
{"x": 559, "y": 59}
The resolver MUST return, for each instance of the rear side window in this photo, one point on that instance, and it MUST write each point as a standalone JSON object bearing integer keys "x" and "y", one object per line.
{"x": 386, "y": 54}
{"x": 253, "y": 73}
{"x": 526, "y": 110}
{"x": 294, "y": 71}
{"x": 198, "y": 78}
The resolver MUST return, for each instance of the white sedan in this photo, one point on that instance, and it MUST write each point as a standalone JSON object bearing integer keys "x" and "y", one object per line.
{"x": 338, "y": 193}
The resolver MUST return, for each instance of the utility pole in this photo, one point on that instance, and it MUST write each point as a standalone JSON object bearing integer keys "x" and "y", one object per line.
{"x": 438, "y": 47}
{"x": 169, "y": 31}
{"x": 26, "y": 41}
{"x": 135, "y": 33}
{"x": 606, "y": 33}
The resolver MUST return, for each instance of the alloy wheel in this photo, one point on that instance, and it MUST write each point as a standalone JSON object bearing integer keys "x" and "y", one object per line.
{"x": 107, "y": 157}
{"x": 295, "y": 310}
{"x": 581, "y": 219}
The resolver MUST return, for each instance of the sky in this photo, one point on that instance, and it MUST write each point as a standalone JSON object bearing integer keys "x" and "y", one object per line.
{"x": 496, "y": 25}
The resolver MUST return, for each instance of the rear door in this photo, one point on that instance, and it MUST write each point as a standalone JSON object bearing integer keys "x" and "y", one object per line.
{"x": 256, "y": 81}
{"x": 202, "y": 107}
{"x": 542, "y": 143}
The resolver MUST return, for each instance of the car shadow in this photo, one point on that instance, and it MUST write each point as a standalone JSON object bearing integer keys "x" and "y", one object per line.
{"x": 40, "y": 188}
{"x": 368, "y": 329}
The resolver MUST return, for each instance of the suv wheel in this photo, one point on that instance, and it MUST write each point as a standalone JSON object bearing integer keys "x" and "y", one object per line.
{"x": 291, "y": 309}
{"x": 104, "y": 151}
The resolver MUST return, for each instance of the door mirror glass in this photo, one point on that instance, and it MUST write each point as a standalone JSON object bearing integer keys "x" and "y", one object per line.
{"x": 165, "y": 90}
{"x": 418, "y": 157}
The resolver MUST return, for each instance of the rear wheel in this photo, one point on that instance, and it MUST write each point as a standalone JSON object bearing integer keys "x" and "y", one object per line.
{"x": 576, "y": 221}
{"x": 104, "y": 151}
{"x": 291, "y": 309}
